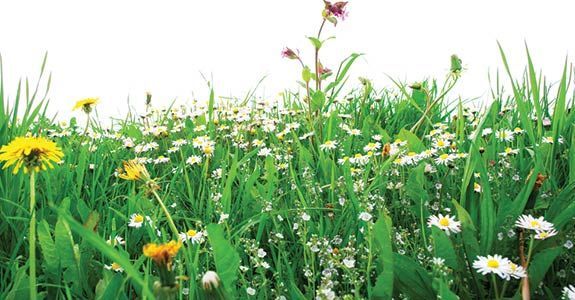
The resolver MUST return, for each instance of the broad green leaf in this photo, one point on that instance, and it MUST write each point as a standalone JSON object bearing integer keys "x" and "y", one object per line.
{"x": 382, "y": 230}
{"x": 226, "y": 257}
{"x": 443, "y": 248}
{"x": 411, "y": 279}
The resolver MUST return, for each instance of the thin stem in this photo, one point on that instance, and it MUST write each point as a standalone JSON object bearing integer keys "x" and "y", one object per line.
{"x": 494, "y": 280}
{"x": 504, "y": 288}
{"x": 317, "y": 76}
{"x": 32, "y": 236}
{"x": 529, "y": 252}
{"x": 168, "y": 216}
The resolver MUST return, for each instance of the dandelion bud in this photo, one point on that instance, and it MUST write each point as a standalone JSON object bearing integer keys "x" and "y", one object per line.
{"x": 415, "y": 86}
{"x": 148, "y": 98}
{"x": 289, "y": 53}
{"x": 210, "y": 281}
{"x": 455, "y": 64}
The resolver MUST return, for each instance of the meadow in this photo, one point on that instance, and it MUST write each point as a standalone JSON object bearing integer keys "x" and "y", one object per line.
{"x": 402, "y": 192}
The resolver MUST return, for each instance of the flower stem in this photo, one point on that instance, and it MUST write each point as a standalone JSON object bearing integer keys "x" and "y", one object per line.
{"x": 494, "y": 280}
{"x": 168, "y": 216}
{"x": 32, "y": 237}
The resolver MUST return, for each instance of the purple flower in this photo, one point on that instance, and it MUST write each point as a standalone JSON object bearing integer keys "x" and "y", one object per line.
{"x": 289, "y": 53}
{"x": 337, "y": 9}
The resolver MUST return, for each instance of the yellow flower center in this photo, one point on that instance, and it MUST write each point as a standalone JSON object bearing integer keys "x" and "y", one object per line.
{"x": 138, "y": 218}
{"x": 444, "y": 221}
{"x": 440, "y": 143}
{"x": 115, "y": 266}
{"x": 444, "y": 156}
{"x": 535, "y": 223}
{"x": 492, "y": 263}
{"x": 191, "y": 233}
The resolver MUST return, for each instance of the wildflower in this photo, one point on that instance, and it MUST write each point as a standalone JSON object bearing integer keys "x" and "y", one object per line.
{"x": 516, "y": 271}
{"x": 569, "y": 292}
{"x": 329, "y": 145}
{"x": 438, "y": 261}
{"x": 251, "y": 291}
{"x": 444, "y": 159}
{"x": 495, "y": 264}
{"x": 136, "y": 220}
{"x": 548, "y": 140}
{"x": 32, "y": 153}
{"x": 440, "y": 144}
{"x": 477, "y": 187}
{"x": 289, "y": 53}
{"x": 118, "y": 240}
{"x": 337, "y": 10}
{"x": 192, "y": 235}
{"x": 568, "y": 244}
{"x": 114, "y": 267}
{"x": 504, "y": 135}
{"x": 194, "y": 160}
{"x": 445, "y": 223}
{"x": 372, "y": 147}
{"x": 365, "y": 216}
{"x": 210, "y": 281}
{"x": 529, "y": 222}
{"x": 545, "y": 234}
{"x": 134, "y": 171}
{"x": 509, "y": 151}
{"x": 162, "y": 254}
{"x": 86, "y": 104}
{"x": 349, "y": 262}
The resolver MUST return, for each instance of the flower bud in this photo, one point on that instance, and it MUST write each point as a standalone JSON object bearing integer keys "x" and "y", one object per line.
{"x": 210, "y": 281}
{"x": 289, "y": 53}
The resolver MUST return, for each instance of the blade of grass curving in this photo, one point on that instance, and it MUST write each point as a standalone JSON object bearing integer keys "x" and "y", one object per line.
{"x": 100, "y": 244}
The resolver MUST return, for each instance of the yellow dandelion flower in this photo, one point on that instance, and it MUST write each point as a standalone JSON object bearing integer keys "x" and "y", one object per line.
{"x": 32, "y": 153}
{"x": 86, "y": 104}
{"x": 162, "y": 254}
{"x": 134, "y": 170}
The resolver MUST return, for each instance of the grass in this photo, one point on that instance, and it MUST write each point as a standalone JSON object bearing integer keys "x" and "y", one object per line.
{"x": 317, "y": 195}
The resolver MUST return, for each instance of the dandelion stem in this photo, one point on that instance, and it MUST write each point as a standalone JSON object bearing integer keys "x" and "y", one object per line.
{"x": 32, "y": 236}
{"x": 168, "y": 216}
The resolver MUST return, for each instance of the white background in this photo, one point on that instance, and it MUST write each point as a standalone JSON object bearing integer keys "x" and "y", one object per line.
{"x": 116, "y": 49}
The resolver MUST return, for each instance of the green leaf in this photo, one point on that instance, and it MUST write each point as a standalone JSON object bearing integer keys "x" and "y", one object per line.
{"x": 540, "y": 265}
{"x": 306, "y": 74}
{"x": 443, "y": 248}
{"x": 383, "y": 288}
{"x": 226, "y": 257}
{"x": 49, "y": 252}
{"x": 412, "y": 279}
{"x": 315, "y": 42}
{"x": 413, "y": 142}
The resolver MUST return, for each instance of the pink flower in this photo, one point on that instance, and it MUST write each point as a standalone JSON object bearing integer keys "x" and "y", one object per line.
{"x": 289, "y": 53}
{"x": 337, "y": 9}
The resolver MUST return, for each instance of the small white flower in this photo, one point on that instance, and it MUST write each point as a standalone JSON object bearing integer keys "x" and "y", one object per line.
{"x": 261, "y": 253}
{"x": 349, "y": 262}
{"x": 328, "y": 145}
{"x": 305, "y": 217}
{"x": 529, "y": 222}
{"x": 194, "y": 160}
{"x": 569, "y": 292}
{"x": 114, "y": 267}
{"x": 545, "y": 234}
{"x": 192, "y": 235}
{"x": 445, "y": 223}
{"x": 250, "y": 291}
{"x": 136, "y": 220}
{"x": 365, "y": 216}
{"x": 493, "y": 264}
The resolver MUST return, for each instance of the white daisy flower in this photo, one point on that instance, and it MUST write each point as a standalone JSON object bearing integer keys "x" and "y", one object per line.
{"x": 545, "y": 234}
{"x": 114, "y": 267}
{"x": 328, "y": 145}
{"x": 194, "y": 160}
{"x": 516, "y": 271}
{"x": 136, "y": 220}
{"x": 192, "y": 236}
{"x": 569, "y": 292}
{"x": 445, "y": 223}
{"x": 504, "y": 135}
{"x": 495, "y": 264}
{"x": 529, "y": 222}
